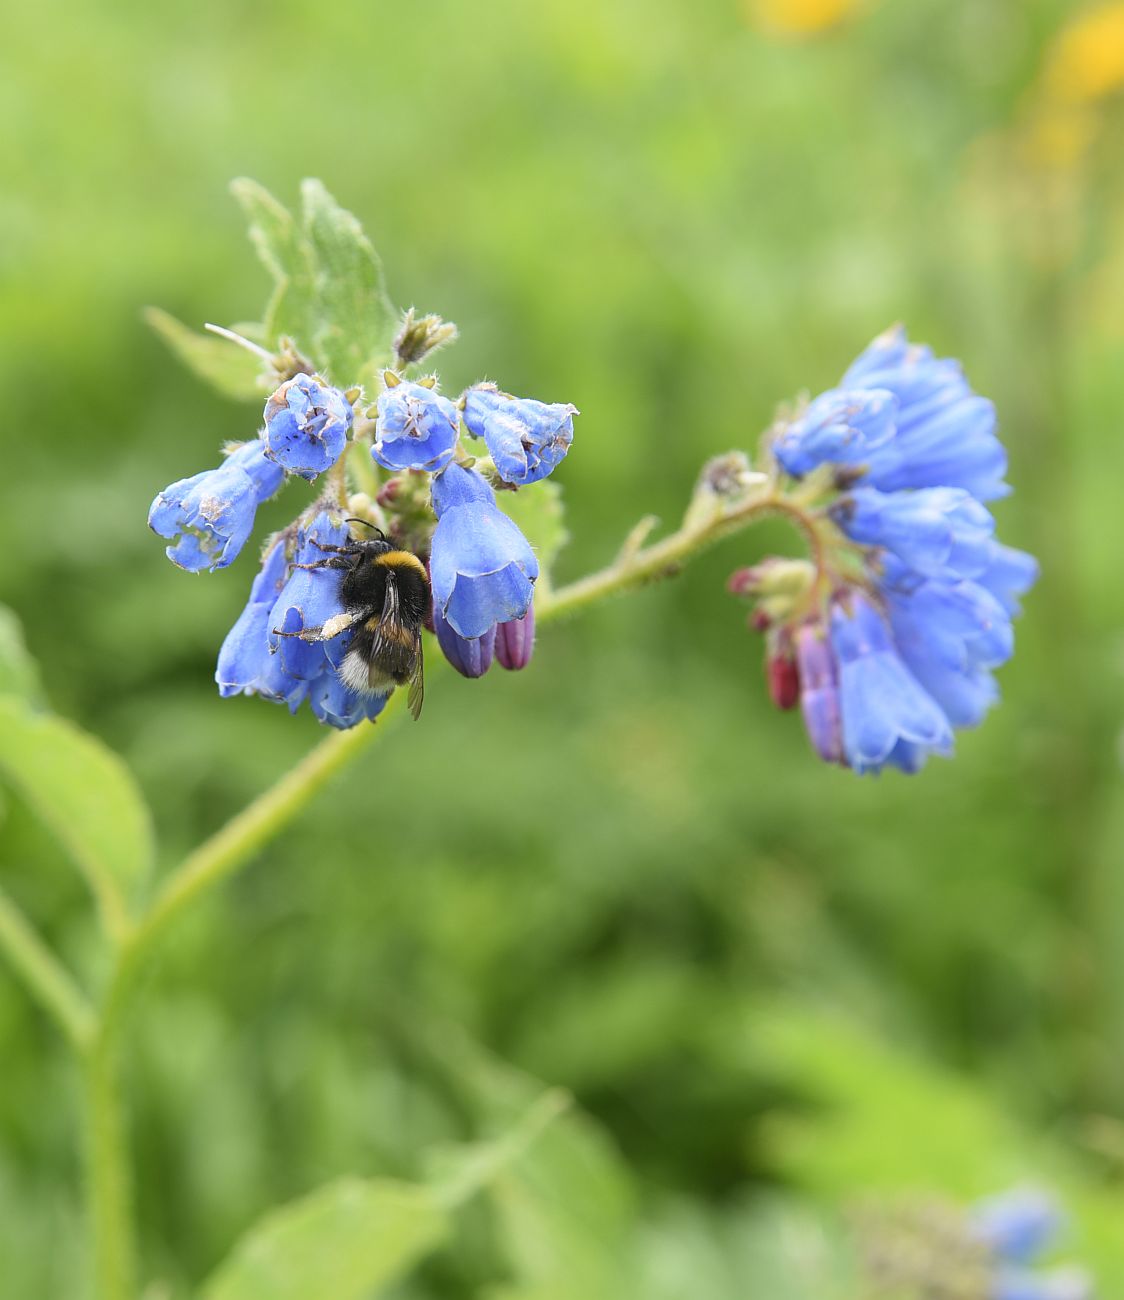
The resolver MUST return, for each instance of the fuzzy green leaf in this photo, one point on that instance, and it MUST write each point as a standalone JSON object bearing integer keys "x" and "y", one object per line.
{"x": 330, "y": 298}
{"x": 346, "y": 1241}
{"x": 232, "y": 370}
{"x": 84, "y": 794}
{"x": 19, "y": 673}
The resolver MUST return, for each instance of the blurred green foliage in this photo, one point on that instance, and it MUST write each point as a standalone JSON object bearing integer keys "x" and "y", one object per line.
{"x": 769, "y": 986}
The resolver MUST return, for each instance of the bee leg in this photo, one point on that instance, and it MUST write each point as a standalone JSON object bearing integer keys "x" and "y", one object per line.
{"x": 333, "y": 562}
{"x": 333, "y": 627}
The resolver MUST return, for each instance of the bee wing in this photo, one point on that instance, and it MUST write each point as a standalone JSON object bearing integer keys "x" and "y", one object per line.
{"x": 417, "y": 684}
{"x": 397, "y": 641}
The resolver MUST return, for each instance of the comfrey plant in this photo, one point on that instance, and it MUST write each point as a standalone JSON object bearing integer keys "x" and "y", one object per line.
{"x": 926, "y": 1248}
{"x": 436, "y": 516}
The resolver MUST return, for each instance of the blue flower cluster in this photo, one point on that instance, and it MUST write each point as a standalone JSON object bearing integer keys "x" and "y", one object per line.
{"x": 1014, "y": 1229}
{"x": 896, "y": 635}
{"x": 291, "y": 638}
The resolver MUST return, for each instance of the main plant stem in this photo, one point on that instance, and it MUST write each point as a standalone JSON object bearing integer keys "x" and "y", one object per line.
{"x": 230, "y": 848}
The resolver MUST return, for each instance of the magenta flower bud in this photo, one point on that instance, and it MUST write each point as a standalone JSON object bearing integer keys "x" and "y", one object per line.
{"x": 819, "y": 692}
{"x": 515, "y": 641}
{"x": 471, "y": 657}
{"x": 781, "y": 671}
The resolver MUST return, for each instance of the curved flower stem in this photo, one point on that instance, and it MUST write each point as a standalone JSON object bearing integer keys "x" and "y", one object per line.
{"x": 665, "y": 558}
{"x": 46, "y": 978}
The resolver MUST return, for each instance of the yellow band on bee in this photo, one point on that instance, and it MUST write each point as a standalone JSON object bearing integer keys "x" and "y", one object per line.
{"x": 400, "y": 560}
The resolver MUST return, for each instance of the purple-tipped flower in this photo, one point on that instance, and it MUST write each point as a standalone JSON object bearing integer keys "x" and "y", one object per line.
{"x": 934, "y": 530}
{"x": 840, "y": 427}
{"x": 527, "y": 439}
{"x": 306, "y": 426}
{"x": 515, "y": 641}
{"x": 471, "y": 658}
{"x": 211, "y": 514}
{"x": 482, "y": 567}
{"x": 887, "y": 717}
{"x": 416, "y": 428}
{"x": 819, "y": 692}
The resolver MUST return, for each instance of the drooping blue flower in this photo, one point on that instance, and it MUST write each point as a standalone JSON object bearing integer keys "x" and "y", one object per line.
{"x": 211, "y": 514}
{"x": 470, "y": 657}
{"x": 256, "y": 660}
{"x": 483, "y": 569}
{"x": 416, "y": 428}
{"x": 1018, "y": 1224}
{"x": 526, "y": 438}
{"x": 246, "y": 665}
{"x": 887, "y": 716}
{"x": 933, "y": 530}
{"x": 819, "y": 692}
{"x": 840, "y": 426}
{"x": 945, "y": 433}
{"x": 306, "y": 426}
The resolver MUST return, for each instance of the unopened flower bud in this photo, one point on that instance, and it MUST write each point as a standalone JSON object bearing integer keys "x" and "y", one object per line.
{"x": 515, "y": 641}
{"x": 781, "y": 671}
{"x": 421, "y": 335}
{"x": 389, "y": 491}
{"x": 774, "y": 576}
{"x": 470, "y": 656}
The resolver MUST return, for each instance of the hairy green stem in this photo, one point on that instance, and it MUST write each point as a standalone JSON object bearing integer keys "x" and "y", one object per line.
{"x": 44, "y": 975}
{"x": 230, "y": 848}
{"x": 108, "y": 1175}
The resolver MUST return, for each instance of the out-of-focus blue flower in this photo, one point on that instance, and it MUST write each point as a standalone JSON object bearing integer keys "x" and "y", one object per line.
{"x": 842, "y": 427}
{"x": 515, "y": 641}
{"x": 416, "y": 428}
{"x": 1024, "y": 1284}
{"x": 527, "y": 439}
{"x": 819, "y": 692}
{"x": 471, "y": 658}
{"x": 1018, "y": 1224}
{"x": 887, "y": 717}
{"x": 306, "y": 425}
{"x": 945, "y": 433}
{"x": 483, "y": 569}
{"x": 935, "y": 433}
{"x": 1010, "y": 573}
{"x": 933, "y": 530}
{"x": 211, "y": 514}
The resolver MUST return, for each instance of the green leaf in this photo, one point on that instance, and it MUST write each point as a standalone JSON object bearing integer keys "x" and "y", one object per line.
{"x": 346, "y": 1241}
{"x": 85, "y": 795}
{"x": 540, "y": 514}
{"x": 330, "y": 297}
{"x": 355, "y": 325}
{"x": 19, "y": 674}
{"x": 234, "y": 371}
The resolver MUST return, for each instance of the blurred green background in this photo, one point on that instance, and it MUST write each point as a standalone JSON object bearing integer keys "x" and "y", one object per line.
{"x": 621, "y": 872}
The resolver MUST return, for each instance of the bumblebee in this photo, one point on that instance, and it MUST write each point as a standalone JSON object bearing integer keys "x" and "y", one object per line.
{"x": 385, "y": 596}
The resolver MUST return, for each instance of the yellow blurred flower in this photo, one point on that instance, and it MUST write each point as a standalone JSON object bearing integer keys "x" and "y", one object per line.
{"x": 1086, "y": 62}
{"x": 800, "y": 17}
